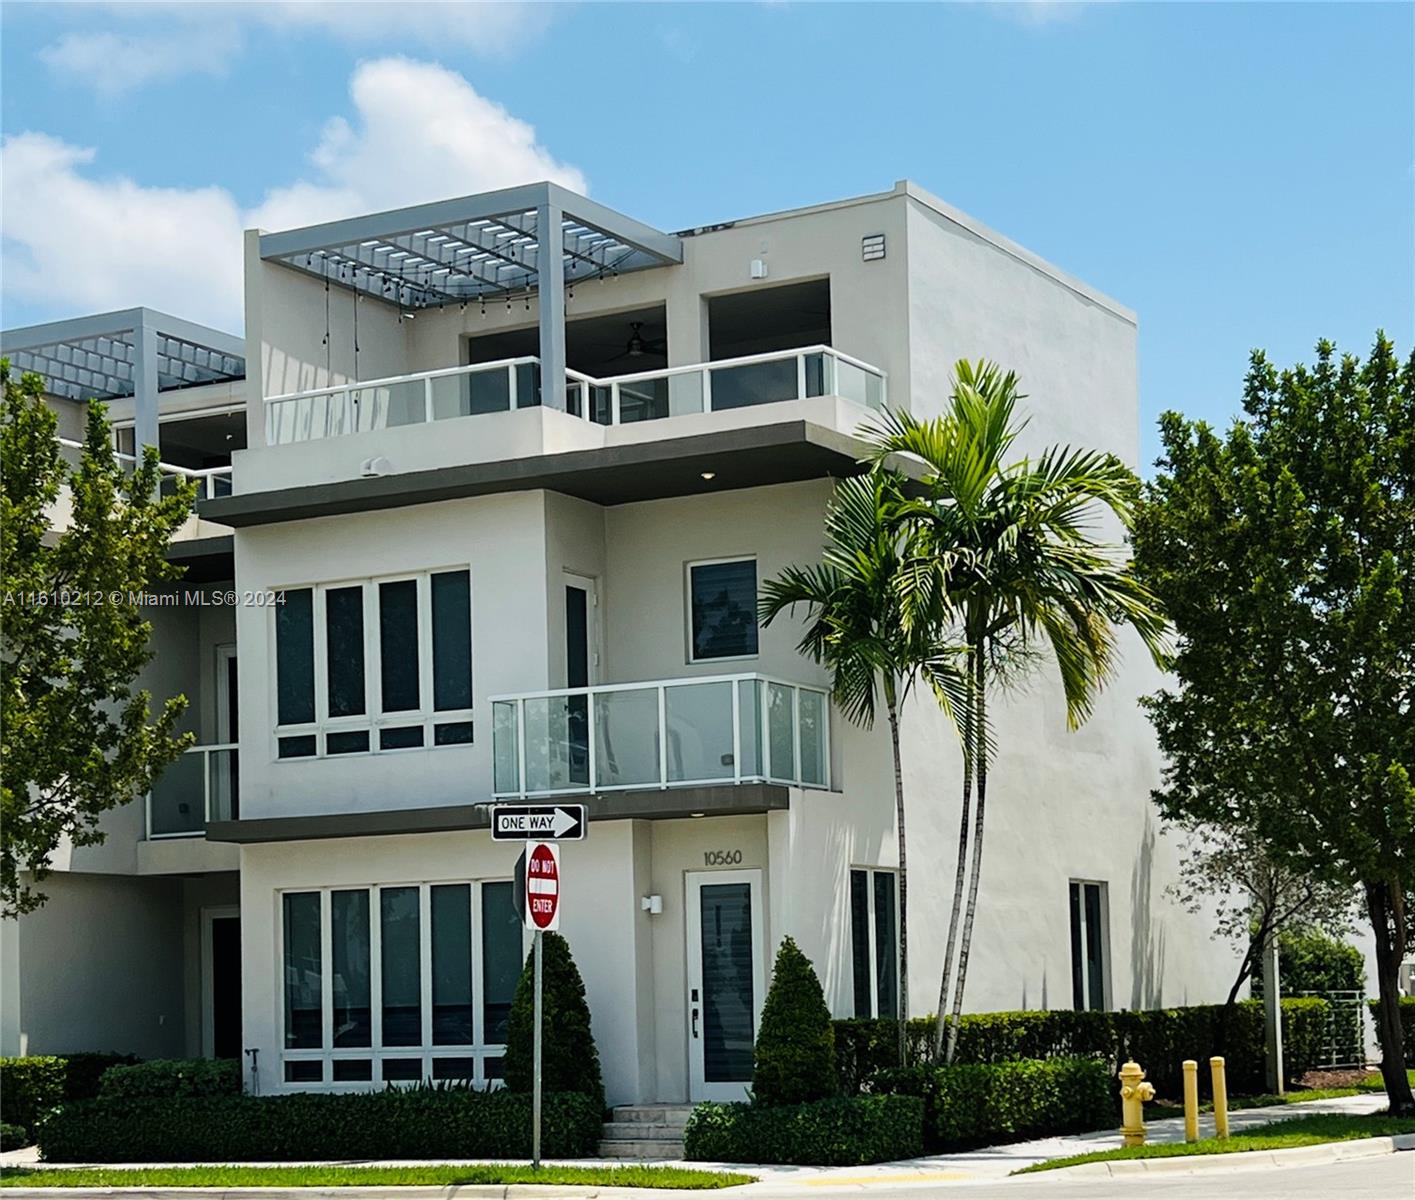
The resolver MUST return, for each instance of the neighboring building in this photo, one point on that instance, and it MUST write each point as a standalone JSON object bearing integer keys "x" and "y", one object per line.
{"x": 513, "y": 468}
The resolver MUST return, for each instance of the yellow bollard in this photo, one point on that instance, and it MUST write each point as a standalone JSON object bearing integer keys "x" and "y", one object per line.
{"x": 1191, "y": 1100}
{"x": 1133, "y": 1094}
{"x": 1220, "y": 1097}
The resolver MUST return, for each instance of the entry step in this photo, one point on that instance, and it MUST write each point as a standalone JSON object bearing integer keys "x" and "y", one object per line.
{"x": 642, "y": 1132}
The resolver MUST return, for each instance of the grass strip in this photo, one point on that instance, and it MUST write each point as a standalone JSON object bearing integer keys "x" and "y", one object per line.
{"x": 330, "y": 1176}
{"x": 1159, "y": 1109}
{"x": 1280, "y": 1135}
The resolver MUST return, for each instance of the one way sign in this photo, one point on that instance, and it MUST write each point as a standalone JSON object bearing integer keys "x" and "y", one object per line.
{"x": 538, "y": 822}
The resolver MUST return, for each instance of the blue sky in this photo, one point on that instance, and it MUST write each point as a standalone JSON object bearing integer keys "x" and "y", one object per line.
{"x": 1241, "y": 175}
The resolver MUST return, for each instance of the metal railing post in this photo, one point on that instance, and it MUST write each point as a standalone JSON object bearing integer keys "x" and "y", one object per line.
{"x": 736, "y": 731}
{"x": 513, "y": 400}
{"x": 662, "y": 736}
{"x": 427, "y": 400}
{"x": 521, "y": 747}
{"x": 591, "y": 738}
{"x": 800, "y": 376}
{"x": 707, "y": 389}
{"x": 614, "y": 404}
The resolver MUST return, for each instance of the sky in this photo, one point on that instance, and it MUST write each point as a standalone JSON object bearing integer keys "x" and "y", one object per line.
{"x": 1241, "y": 175}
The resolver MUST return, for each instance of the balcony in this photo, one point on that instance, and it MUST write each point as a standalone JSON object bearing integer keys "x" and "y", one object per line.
{"x": 211, "y": 481}
{"x": 514, "y": 383}
{"x": 708, "y": 730}
{"x": 200, "y": 786}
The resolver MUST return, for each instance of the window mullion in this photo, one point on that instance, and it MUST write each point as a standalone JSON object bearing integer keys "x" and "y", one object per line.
{"x": 375, "y": 949}
{"x": 425, "y": 961}
{"x": 873, "y": 956}
{"x": 326, "y": 971}
{"x": 425, "y": 655}
{"x": 373, "y": 662}
{"x": 321, "y": 663}
{"x": 478, "y": 975}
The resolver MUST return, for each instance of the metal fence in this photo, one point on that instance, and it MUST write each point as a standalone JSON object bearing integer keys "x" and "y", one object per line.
{"x": 1344, "y": 1039}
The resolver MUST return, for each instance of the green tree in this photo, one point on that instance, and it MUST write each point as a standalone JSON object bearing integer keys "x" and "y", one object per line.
{"x": 75, "y": 737}
{"x": 1003, "y": 550}
{"x": 855, "y": 628}
{"x": 1314, "y": 961}
{"x": 794, "y": 1055}
{"x": 569, "y": 1059}
{"x": 1283, "y": 553}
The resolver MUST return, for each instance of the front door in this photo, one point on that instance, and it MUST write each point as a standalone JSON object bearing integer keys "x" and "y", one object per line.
{"x": 221, "y": 950}
{"x": 726, "y": 986}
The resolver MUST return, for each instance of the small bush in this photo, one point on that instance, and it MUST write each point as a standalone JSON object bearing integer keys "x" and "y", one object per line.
{"x": 976, "y": 1104}
{"x": 172, "y": 1077}
{"x": 30, "y": 1088}
{"x": 84, "y": 1071}
{"x": 839, "y": 1132}
{"x": 795, "y": 1052}
{"x": 1310, "y": 961}
{"x": 569, "y": 1060}
{"x": 1407, "y": 1025}
{"x": 12, "y": 1137}
{"x": 417, "y": 1123}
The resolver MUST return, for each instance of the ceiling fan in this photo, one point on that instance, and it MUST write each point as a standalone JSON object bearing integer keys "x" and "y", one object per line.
{"x": 638, "y": 345}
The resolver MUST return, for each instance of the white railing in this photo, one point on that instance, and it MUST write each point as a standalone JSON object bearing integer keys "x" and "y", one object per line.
{"x": 668, "y": 733}
{"x": 359, "y": 407}
{"x": 211, "y": 481}
{"x": 200, "y": 786}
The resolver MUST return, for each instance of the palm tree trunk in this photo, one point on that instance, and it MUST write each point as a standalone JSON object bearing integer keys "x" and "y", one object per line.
{"x": 903, "y": 983}
{"x": 981, "y": 769}
{"x": 966, "y": 737}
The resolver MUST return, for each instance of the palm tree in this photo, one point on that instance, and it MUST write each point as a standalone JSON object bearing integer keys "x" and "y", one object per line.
{"x": 1005, "y": 552}
{"x": 855, "y": 628}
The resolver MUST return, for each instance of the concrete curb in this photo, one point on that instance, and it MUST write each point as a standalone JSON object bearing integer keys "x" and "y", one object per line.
{"x": 1243, "y": 1160}
{"x": 471, "y": 1191}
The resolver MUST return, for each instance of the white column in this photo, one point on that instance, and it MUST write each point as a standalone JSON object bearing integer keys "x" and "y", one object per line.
{"x": 551, "y": 281}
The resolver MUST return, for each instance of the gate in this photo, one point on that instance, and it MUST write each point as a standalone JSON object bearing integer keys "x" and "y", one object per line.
{"x": 1344, "y": 1038}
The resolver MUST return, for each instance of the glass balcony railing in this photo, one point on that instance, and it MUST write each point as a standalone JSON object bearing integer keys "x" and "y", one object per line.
{"x": 210, "y": 481}
{"x": 723, "y": 729}
{"x": 201, "y": 786}
{"x": 617, "y": 400}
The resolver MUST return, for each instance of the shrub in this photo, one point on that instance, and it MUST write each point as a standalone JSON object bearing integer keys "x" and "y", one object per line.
{"x": 569, "y": 1060}
{"x": 417, "y": 1123}
{"x": 172, "y": 1077}
{"x": 838, "y": 1132}
{"x": 12, "y": 1137}
{"x": 84, "y": 1071}
{"x": 1310, "y": 961}
{"x": 1407, "y": 1025}
{"x": 974, "y": 1104}
{"x": 30, "y": 1088}
{"x": 795, "y": 1052}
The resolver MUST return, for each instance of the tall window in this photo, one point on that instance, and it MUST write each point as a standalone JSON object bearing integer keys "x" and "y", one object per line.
{"x": 874, "y": 943}
{"x": 375, "y": 665}
{"x": 418, "y": 984}
{"x": 722, "y": 609}
{"x": 1090, "y": 945}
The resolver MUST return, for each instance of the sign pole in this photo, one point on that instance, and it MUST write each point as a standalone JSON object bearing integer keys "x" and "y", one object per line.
{"x": 535, "y": 1081}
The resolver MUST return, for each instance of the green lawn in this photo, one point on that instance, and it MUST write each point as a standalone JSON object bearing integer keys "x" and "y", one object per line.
{"x": 1280, "y": 1135}
{"x": 410, "y": 1176}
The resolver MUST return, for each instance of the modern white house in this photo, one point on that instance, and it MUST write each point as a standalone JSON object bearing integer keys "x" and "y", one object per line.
{"x": 507, "y": 472}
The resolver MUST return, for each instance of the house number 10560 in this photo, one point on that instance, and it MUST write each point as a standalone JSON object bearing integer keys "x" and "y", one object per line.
{"x": 721, "y": 858}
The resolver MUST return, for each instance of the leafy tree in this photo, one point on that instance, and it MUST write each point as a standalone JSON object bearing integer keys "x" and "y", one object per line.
{"x": 1283, "y": 553}
{"x": 569, "y": 1059}
{"x": 855, "y": 627}
{"x": 1314, "y": 961}
{"x": 76, "y": 739}
{"x": 795, "y": 1050}
{"x": 1002, "y": 550}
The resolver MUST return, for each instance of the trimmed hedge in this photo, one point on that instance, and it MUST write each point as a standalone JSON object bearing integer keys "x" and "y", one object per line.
{"x": 12, "y": 1137}
{"x": 172, "y": 1077}
{"x": 1407, "y": 1025}
{"x": 978, "y": 1104}
{"x": 397, "y": 1124}
{"x": 1158, "y": 1039}
{"x": 84, "y": 1071}
{"x": 30, "y": 1088}
{"x": 839, "y": 1132}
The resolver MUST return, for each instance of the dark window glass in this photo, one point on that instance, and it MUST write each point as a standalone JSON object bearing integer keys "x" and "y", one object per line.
{"x": 304, "y": 1071}
{"x": 501, "y": 958}
{"x": 727, "y": 1002}
{"x": 402, "y": 967}
{"x": 1087, "y": 945}
{"x": 495, "y": 1068}
{"x": 886, "y": 965}
{"x": 294, "y": 658}
{"x": 398, "y": 644}
{"x": 454, "y": 1068}
{"x": 452, "y": 640}
{"x": 402, "y": 1070}
{"x": 348, "y": 914}
{"x": 577, "y": 638}
{"x": 1078, "y": 986}
{"x": 452, "y": 965}
{"x": 453, "y": 733}
{"x": 304, "y": 972}
{"x": 348, "y": 741}
{"x": 860, "y": 962}
{"x": 344, "y": 646}
{"x": 402, "y": 738}
{"x": 353, "y": 1070}
{"x": 297, "y": 747}
{"x": 1095, "y": 928}
{"x": 724, "y": 609}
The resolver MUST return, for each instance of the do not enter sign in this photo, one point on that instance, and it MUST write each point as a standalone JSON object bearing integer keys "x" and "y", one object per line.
{"x": 542, "y": 885}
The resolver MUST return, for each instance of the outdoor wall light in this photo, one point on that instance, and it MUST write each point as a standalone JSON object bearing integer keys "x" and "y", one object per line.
{"x": 653, "y": 905}
{"x": 709, "y": 475}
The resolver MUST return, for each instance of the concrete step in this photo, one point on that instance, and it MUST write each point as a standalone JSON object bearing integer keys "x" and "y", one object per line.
{"x": 656, "y": 1149}
{"x": 643, "y": 1131}
{"x": 656, "y": 1114}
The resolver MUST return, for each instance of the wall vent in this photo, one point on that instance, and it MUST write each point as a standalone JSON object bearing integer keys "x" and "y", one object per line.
{"x": 872, "y": 247}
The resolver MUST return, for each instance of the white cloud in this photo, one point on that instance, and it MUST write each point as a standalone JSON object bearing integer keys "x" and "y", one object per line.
{"x": 77, "y": 240}
{"x": 114, "y": 63}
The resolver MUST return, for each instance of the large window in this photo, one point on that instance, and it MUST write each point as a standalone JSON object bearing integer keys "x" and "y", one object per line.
{"x": 398, "y": 983}
{"x": 722, "y": 609}
{"x": 874, "y": 943}
{"x": 374, "y": 665}
{"x": 1090, "y": 945}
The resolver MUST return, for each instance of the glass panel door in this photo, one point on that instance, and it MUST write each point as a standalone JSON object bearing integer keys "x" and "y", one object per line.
{"x": 725, "y": 981}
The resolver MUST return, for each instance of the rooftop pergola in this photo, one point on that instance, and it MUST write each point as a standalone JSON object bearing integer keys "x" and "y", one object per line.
{"x": 536, "y": 238}
{"x": 135, "y": 352}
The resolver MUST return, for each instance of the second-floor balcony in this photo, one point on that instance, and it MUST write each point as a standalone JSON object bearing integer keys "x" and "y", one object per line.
{"x": 200, "y": 786}
{"x": 514, "y": 383}
{"x": 693, "y": 732}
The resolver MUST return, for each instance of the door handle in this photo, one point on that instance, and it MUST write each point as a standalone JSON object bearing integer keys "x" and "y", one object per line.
{"x": 695, "y": 1021}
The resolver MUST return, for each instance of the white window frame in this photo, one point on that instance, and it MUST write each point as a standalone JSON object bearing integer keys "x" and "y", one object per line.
{"x": 373, "y": 718}
{"x": 1104, "y": 889}
{"x": 326, "y": 1054}
{"x": 688, "y": 566}
{"x": 872, "y": 933}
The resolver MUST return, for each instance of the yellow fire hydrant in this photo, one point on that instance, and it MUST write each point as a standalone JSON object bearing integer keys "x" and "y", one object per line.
{"x": 1134, "y": 1091}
